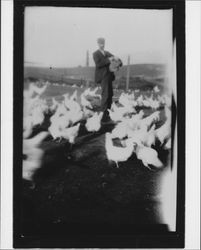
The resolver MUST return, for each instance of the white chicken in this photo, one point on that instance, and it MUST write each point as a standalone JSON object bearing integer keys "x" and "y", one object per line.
{"x": 132, "y": 99}
{"x": 168, "y": 114}
{"x": 123, "y": 99}
{"x": 63, "y": 121}
{"x": 164, "y": 132}
{"x": 156, "y": 89}
{"x": 134, "y": 121}
{"x": 148, "y": 156}
{"x": 85, "y": 102}
{"x": 43, "y": 105}
{"x": 74, "y": 97}
{"x": 73, "y": 106}
{"x": 28, "y": 93}
{"x": 146, "y": 102}
{"x": 123, "y": 110}
{"x": 66, "y": 97}
{"x": 86, "y": 91}
{"x": 142, "y": 136}
{"x": 120, "y": 131}
{"x": 168, "y": 145}
{"x": 140, "y": 100}
{"x": 54, "y": 105}
{"x": 29, "y": 104}
{"x": 151, "y": 137}
{"x": 154, "y": 104}
{"x": 131, "y": 96}
{"x": 117, "y": 154}
{"x": 37, "y": 116}
{"x": 87, "y": 112}
{"x": 92, "y": 93}
{"x": 76, "y": 116}
{"x": 149, "y": 120}
{"x": 38, "y": 90}
{"x": 161, "y": 100}
{"x": 151, "y": 102}
{"x": 60, "y": 120}
{"x": 167, "y": 100}
{"x": 55, "y": 131}
{"x": 58, "y": 123}
{"x": 34, "y": 155}
{"x": 71, "y": 103}
{"x": 115, "y": 116}
{"x": 93, "y": 123}
{"x": 70, "y": 133}
{"x": 27, "y": 126}
{"x": 61, "y": 110}
{"x": 138, "y": 136}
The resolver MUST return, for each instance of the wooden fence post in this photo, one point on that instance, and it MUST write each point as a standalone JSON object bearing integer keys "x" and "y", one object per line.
{"x": 128, "y": 73}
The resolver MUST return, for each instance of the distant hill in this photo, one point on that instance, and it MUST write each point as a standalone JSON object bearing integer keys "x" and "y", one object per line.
{"x": 145, "y": 70}
{"x": 140, "y": 74}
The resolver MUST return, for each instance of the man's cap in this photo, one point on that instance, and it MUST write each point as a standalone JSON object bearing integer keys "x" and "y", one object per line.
{"x": 101, "y": 40}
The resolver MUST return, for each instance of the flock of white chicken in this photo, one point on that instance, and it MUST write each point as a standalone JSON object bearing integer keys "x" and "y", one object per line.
{"x": 66, "y": 115}
{"x": 136, "y": 133}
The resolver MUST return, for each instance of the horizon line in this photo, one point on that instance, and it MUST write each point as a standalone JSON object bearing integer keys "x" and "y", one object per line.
{"x": 34, "y": 65}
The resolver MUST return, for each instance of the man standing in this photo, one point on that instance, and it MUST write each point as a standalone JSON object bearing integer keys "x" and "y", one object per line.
{"x": 104, "y": 76}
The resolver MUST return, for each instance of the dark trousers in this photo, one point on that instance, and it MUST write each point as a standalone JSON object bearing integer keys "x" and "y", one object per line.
{"x": 106, "y": 94}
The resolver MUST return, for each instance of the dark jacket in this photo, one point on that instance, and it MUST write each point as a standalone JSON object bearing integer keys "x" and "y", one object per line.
{"x": 102, "y": 66}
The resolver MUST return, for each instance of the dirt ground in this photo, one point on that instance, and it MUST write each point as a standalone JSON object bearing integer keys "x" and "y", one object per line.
{"x": 77, "y": 189}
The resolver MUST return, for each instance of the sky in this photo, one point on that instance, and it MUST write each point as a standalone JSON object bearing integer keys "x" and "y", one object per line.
{"x": 61, "y": 36}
